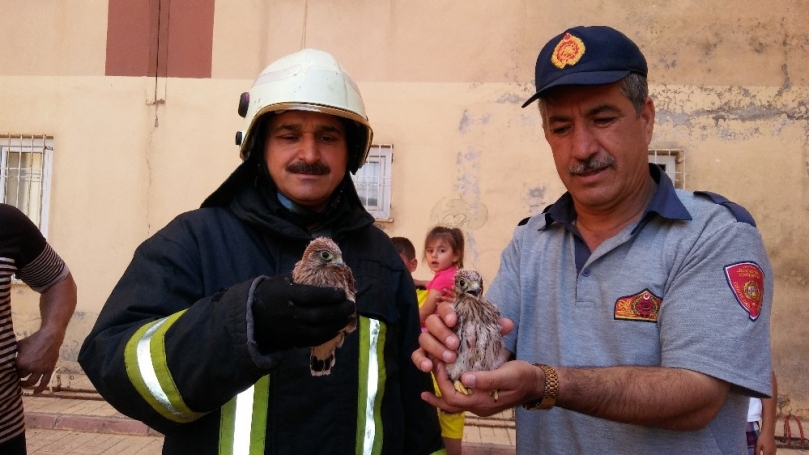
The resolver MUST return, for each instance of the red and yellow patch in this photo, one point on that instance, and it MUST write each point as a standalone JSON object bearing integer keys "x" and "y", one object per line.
{"x": 568, "y": 51}
{"x": 643, "y": 306}
{"x": 746, "y": 280}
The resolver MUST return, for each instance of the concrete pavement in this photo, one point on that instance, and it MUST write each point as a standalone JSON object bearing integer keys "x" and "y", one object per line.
{"x": 75, "y": 420}
{"x": 82, "y": 423}
{"x": 64, "y": 442}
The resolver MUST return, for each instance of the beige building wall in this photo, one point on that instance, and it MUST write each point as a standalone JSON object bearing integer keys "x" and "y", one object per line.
{"x": 443, "y": 82}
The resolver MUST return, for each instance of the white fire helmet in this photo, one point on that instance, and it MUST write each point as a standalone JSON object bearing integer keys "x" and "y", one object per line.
{"x": 308, "y": 80}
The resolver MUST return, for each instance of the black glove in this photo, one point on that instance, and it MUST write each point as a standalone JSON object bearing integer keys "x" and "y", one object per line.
{"x": 289, "y": 315}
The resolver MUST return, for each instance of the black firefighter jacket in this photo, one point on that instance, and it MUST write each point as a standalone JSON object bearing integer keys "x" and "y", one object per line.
{"x": 173, "y": 345}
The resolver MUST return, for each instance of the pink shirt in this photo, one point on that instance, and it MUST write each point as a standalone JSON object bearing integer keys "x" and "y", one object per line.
{"x": 443, "y": 279}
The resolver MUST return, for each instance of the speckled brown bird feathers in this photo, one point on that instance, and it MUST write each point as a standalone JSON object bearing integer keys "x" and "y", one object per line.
{"x": 322, "y": 265}
{"x": 478, "y": 329}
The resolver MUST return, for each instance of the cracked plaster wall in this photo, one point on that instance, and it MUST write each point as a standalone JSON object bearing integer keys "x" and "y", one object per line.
{"x": 443, "y": 82}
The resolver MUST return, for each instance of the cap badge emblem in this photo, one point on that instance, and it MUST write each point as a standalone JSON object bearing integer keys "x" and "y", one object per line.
{"x": 568, "y": 52}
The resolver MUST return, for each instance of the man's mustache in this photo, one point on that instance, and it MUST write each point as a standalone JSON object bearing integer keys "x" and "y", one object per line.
{"x": 299, "y": 167}
{"x": 594, "y": 163}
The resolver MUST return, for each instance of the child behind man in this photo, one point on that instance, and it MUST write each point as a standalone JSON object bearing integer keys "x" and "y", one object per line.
{"x": 407, "y": 252}
{"x": 443, "y": 251}
{"x": 761, "y": 417}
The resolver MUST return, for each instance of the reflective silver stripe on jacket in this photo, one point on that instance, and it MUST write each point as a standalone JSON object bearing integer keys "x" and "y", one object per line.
{"x": 244, "y": 418}
{"x": 372, "y": 384}
{"x": 147, "y": 369}
{"x": 243, "y": 421}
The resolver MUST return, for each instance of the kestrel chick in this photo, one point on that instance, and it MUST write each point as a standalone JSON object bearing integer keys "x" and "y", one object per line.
{"x": 478, "y": 328}
{"x": 322, "y": 265}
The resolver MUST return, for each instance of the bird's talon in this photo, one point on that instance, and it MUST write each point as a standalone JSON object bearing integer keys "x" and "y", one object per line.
{"x": 460, "y": 388}
{"x": 494, "y": 394}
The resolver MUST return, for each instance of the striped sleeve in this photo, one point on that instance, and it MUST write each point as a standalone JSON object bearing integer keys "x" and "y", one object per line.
{"x": 148, "y": 369}
{"x": 44, "y": 271}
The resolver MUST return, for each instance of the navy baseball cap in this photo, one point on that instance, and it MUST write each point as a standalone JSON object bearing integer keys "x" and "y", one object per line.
{"x": 596, "y": 55}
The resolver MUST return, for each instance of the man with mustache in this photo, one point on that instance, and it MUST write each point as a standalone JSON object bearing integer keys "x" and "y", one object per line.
{"x": 638, "y": 314}
{"x": 206, "y": 339}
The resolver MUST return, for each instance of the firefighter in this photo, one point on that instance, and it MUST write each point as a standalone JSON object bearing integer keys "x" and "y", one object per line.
{"x": 205, "y": 338}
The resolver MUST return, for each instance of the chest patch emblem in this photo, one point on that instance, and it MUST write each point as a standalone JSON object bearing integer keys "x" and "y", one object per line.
{"x": 643, "y": 306}
{"x": 746, "y": 280}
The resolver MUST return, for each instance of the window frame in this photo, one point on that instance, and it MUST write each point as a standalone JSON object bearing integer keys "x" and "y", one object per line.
{"x": 673, "y": 163}
{"x": 381, "y": 154}
{"x": 28, "y": 143}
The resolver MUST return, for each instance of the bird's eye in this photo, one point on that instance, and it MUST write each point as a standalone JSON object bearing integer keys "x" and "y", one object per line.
{"x": 325, "y": 255}
{"x": 462, "y": 283}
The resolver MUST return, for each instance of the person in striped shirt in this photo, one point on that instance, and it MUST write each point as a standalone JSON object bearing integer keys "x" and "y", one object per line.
{"x": 29, "y": 361}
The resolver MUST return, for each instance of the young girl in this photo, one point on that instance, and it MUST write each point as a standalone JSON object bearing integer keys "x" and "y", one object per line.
{"x": 443, "y": 253}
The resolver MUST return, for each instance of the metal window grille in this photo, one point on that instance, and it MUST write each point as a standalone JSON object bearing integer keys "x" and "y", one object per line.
{"x": 373, "y": 181}
{"x": 673, "y": 163}
{"x": 25, "y": 168}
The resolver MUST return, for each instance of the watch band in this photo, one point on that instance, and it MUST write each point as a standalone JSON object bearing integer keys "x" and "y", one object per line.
{"x": 549, "y": 392}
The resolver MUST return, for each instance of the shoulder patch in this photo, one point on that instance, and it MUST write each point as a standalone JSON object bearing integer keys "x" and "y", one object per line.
{"x": 738, "y": 211}
{"x": 746, "y": 280}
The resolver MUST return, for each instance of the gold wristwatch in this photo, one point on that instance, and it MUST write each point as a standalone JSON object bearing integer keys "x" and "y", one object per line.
{"x": 549, "y": 392}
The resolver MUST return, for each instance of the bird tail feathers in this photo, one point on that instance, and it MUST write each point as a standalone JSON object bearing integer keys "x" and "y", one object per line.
{"x": 321, "y": 367}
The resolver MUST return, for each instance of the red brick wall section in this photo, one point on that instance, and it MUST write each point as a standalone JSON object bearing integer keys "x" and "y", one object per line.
{"x": 163, "y": 38}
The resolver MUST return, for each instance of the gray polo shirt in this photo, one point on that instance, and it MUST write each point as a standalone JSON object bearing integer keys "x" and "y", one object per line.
{"x": 688, "y": 286}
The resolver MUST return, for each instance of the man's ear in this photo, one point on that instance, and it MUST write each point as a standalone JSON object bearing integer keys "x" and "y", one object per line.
{"x": 648, "y": 115}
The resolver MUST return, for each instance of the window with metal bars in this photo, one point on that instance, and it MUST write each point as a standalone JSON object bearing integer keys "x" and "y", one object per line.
{"x": 373, "y": 180}
{"x": 25, "y": 175}
{"x": 673, "y": 163}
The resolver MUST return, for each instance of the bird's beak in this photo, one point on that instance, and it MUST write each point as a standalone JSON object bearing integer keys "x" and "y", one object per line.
{"x": 474, "y": 290}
